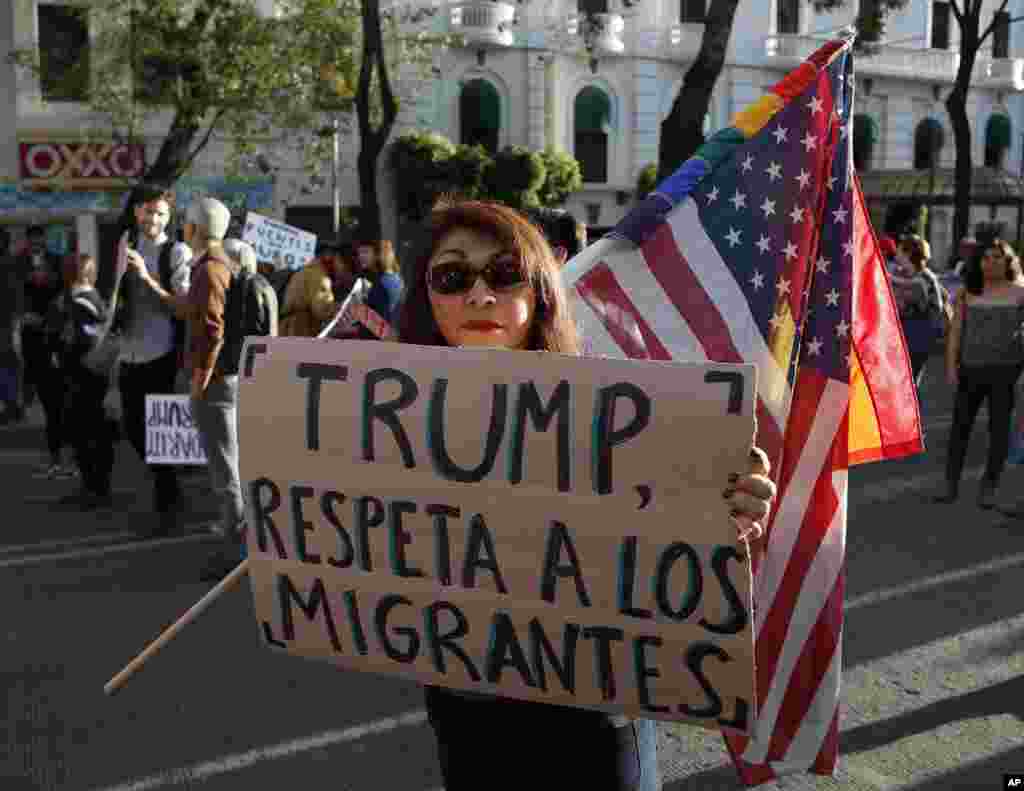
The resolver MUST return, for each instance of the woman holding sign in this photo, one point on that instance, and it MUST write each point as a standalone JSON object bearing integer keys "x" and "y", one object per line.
{"x": 488, "y": 278}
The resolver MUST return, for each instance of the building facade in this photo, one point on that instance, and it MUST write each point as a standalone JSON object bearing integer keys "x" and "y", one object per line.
{"x": 592, "y": 77}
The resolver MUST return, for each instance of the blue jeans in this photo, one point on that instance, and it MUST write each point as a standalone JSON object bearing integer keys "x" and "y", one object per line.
{"x": 217, "y": 416}
{"x": 556, "y": 746}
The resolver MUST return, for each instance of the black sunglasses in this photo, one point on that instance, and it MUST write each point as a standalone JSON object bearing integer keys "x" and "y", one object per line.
{"x": 458, "y": 277}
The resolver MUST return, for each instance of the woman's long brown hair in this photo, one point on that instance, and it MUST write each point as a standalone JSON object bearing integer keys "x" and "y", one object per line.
{"x": 553, "y": 328}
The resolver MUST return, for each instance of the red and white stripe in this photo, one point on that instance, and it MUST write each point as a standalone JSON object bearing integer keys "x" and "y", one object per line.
{"x": 676, "y": 299}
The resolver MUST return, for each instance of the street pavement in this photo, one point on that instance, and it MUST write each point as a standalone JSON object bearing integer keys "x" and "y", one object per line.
{"x": 934, "y": 652}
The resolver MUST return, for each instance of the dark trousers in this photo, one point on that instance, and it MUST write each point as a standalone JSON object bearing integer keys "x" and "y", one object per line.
{"x": 995, "y": 384}
{"x": 558, "y": 746}
{"x": 136, "y": 381}
{"x": 91, "y": 430}
{"x": 45, "y": 377}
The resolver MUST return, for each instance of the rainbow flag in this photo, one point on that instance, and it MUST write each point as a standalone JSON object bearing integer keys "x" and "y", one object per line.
{"x": 760, "y": 249}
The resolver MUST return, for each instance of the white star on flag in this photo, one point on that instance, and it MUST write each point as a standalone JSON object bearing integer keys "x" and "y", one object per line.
{"x": 804, "y": 178}
{"x": 797, "y": 215}
{"x": 768, "y": 207}
{"x": 842, "y": 329}
{"x": 790, "y": 251}
{"x": 780, "y": 134}
{"x": 748, "y": 163}
{"x": 810, "y": 142}
{"x": 739, "y": 200}
{"x": 774, "y": 171}
{"x": 757, "y": 280}
{"x": 832, "y": 181}
{"x": 815, "y": 105}
{"x": 843, "y": 131}
{"x": 776, "y": 321}
{"x": 814, "y": 347}
{"x": 782, "y": 286}
{"x": 764, "y": 244}
{"x": 733, "y": 237}
{"x": 848, "y": 247}
{"x": 832, "y": 299}
{"x": 840, "y": 215}
{"x": 713, "y": 195}
{"x": 822, "y": 265}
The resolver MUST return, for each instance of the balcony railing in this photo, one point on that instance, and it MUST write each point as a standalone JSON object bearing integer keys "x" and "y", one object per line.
{"x": 1001, "y": 73}
{"x": 929, "y": 65}
{"x": 483, "y": 23}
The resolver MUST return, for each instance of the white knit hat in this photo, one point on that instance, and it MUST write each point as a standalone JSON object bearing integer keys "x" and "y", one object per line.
{"x": 210, "y": 214}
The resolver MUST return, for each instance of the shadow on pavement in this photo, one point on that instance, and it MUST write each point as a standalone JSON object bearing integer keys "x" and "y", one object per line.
{"x": 899, "y": 624}
{"x": 975, "y": 776}
{"x": 1004, "y": 698}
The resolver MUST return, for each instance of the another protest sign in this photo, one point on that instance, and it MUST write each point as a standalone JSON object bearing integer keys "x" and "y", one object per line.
{"x": 172, "y": 436}
{"x": 284, "y": 246}
{"x": 532, "y": 525}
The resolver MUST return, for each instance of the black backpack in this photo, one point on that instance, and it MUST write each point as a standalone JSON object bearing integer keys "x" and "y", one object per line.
{"x": 244, "y": 315}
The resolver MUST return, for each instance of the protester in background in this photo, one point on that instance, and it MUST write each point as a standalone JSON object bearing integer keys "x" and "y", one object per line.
{"x": 151, "y": 300}
{"x": 566, "y": 235}
{"x": 923, "y": 302}
{"x": 379, "y": 260}
{"x": 309, "y": 297}
{"x": 213, "y": 352}
{"x": 243, "y": 257}
{"x": 887, "y": 247}
{"x": 12, "y": 297}
{"x": 488, "y": 278}
{"x": 39, "y": 276}
{"x": 80, "y": 315}
{"x": 984, "y": 358}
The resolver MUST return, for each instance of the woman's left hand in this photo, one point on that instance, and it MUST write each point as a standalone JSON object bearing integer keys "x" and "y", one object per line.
{"x": 750, "y": 497}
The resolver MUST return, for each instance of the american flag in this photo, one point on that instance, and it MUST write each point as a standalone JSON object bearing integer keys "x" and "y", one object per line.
{"x": 759, "y": 249}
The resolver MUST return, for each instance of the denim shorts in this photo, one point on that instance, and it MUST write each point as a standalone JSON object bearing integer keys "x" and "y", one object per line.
{"x": 485, "y": 742}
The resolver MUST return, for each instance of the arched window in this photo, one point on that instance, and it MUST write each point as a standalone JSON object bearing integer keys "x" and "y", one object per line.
{"x": 593, "y": 112}
{"x": 865, "y": 136}
{"x": 929, "y": 138}
{"x": 998, "y": 134}
{"x": 480, "y": 114}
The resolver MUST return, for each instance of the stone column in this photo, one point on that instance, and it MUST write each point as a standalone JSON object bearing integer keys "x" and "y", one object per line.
{"x": 646, "y": 107}
{"x": 536, "y": 94}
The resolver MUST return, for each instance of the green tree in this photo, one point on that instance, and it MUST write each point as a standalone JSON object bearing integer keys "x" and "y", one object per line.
{"x": 515, "y": 177}
{"x": 562, "y": 177}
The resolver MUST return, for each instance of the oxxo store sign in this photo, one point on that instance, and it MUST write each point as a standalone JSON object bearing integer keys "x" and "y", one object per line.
{"x": 79, "y": 165}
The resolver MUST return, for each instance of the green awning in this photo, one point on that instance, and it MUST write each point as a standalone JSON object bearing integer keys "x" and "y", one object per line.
{"x": 929, "y": 138}
{"x": 865, "y": 130}
{"x": 998, "y": 131}
{"x": 593, "y": 110}
{"x": 480, "y": 102}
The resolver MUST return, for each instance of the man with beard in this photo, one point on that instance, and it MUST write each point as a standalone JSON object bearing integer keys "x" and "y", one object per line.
{"x": 152, "y": 300}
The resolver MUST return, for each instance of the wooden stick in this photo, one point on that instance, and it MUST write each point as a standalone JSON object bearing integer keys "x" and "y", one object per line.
{"x": 171, "y": 631}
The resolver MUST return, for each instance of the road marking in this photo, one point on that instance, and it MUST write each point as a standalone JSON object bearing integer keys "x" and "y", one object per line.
{"x": 98, "y": 552}
{"x": 43, "y": 546}
{"x": 233, "y": 763}
{"x": 936, "y": 581}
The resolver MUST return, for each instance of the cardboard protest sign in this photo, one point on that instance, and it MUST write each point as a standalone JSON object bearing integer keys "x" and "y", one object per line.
{"x": 526, "y": 524}
{"x": 285, "y": 246}
{"x": 172, "y": 435}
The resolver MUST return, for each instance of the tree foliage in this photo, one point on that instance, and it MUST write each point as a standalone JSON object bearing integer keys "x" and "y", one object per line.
{"x": 562, "y": 177}
{"x": 427, "y": 166}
